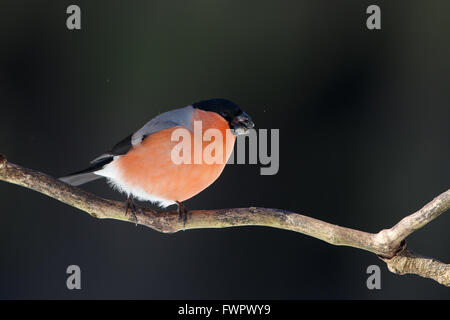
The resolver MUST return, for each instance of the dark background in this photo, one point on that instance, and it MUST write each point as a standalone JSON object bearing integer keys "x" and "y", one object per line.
{"x": 364, "y": 128}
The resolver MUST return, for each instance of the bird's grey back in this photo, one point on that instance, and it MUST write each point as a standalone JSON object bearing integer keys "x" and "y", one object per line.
{"x": 166, "y": 120}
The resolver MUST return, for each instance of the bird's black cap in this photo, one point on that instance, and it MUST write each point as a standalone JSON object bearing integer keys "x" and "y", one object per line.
{"x": 224, "y": 107}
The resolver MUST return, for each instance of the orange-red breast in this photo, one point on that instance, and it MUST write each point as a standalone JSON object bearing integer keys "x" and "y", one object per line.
{"x": 142, "y": 166}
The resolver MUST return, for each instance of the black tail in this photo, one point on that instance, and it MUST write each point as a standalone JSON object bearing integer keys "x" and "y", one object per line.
{"x": 88, "y": 175}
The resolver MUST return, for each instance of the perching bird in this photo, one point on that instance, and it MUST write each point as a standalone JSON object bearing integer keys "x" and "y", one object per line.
{"x": 142, "y": 166}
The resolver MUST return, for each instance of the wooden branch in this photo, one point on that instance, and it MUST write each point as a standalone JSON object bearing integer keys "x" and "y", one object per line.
{"x": 388, "y": 244}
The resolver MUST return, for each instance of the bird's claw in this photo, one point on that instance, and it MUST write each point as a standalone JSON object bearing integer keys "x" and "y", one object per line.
{"x": 183, "y": 213}
{"x": 132, "y": 208}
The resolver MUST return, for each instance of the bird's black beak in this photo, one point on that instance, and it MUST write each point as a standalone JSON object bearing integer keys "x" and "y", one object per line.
{"x": 241, "y": 124}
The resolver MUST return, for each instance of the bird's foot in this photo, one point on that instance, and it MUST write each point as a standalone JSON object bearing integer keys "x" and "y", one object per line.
{"x": 130, "y": 206}
{"x": 183, "y": 213}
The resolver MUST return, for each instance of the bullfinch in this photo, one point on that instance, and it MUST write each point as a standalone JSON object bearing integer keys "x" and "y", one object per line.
{"x": 142, "y": 165}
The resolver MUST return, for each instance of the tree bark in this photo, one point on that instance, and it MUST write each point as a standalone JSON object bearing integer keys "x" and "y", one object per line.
{"x": 388, "y": 244}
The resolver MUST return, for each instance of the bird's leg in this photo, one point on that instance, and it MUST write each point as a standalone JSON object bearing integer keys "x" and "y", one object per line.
{"x": 183, "y": 213}
{"x": 132, "y": 207}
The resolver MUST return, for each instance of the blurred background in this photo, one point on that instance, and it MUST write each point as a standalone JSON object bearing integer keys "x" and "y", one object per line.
{"x": 364, "y": 130}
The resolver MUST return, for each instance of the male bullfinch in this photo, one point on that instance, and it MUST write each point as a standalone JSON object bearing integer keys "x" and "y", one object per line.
{"x": 142, "y": 166}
